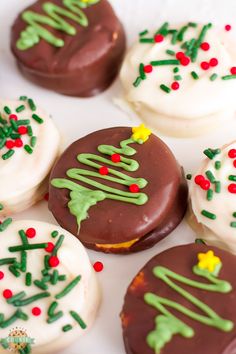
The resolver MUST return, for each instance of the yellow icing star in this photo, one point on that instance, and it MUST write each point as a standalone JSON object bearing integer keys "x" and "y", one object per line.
{"x": 208, "y": 261}
{"x": 141, "y": 133}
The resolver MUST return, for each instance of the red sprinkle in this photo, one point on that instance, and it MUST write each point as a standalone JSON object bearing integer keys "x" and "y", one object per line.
{"x": 22, "y": 130}
{"x": 199, "y": 179}
{"x": 98, "y": 266}
{"x": 103, "y": 170}
{"x": 49, "y": 247}
{"x": 13, "y": 116}
{"x": 228, "y": 27}
{"x": 232, "y": 153}
{"x": 1, "y": 275}
{"x": 31, "y": 232}
{"x": 115, "y": 158}
{"x": 148, "y": 69}
{"x": 185, "y": 61}
{"x": 205, "y": 185}
{"x": 53, "y": 261}
{"x": 234, "y": 163}
{"x": 158, "y": 38}
{"x": 18, "y": 143}
{"x": 213, "y": 62}
{"x": 46, "y": 197}
{"x": 7, "y": 293}
{"x": 232, "y": 188}
{"x": 175, "y": 85}
{"x": 205, "y": 65}
{"x": 36, "y": 311}
{"x": 233, "y": 70}
{"x": 205, "y": 46}
{"x": 9, "y": 144}
{"x": 134, "y": 188}
{"x": 180, "y": 55}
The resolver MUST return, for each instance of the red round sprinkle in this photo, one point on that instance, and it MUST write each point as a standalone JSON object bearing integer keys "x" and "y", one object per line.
{"x": 36, "y": 311}
{"x": 175, "y": 85}
{"x": 205, "y": 185}
{"x": 31, "y": 232}
{"x": 7, "y": 293}
{"x": 46, "y": 197}
{"x": 18, "y": 143}
{"x": 134, "y": 188}
{"x": 213, "y": 62}
{"x": 115, "y": 158}
{"x": 1, "y": 275}
{"x": 98, "y": 266}
{"x": 228, "y": 27}
{"x": 158, "y": 38}
{"x": 13, "y": 116}
{"x": 49, "y": 247}
{"x": 103, "y": 170}
{"x": 205, "y": 65}
{"x": 9, "y": 144}
{"x": 232, "y": 188}
{"x": 232, "y": 153}
{"x": 180, "y": 55}
{"x": 205, "y": 46}
{"x": 199, "y": 179}
{"x": 234, "y": 163}
{"x": 53, "y": 261}
{"x": 147, "y": 69}
{"x": 22, "y": 130}
{"x": 233, "y": 70}
{"x": 185, "y": 61}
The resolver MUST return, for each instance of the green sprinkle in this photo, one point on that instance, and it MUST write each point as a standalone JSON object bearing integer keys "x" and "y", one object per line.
{"x": 143, "y": 33}
{"x": 165, "y": 62}
{"x": 22, "y": 122}
{"x": 52, "y": 308}
{"x": 170, "y": 52}
{"x": 55, "y": 317}
{"x": 32, "y": 104}
{"x": 208, "y": 214}
{"x": 5, "y": 224}
{"x": 33, "y": 141}
{"x": 14, "y": 124}
{"x": 46, "y": 260}
{"x": 137, "y": 81}
{"x": 28, "y": 149}
{"x": 217, "y": 165}
{"x": 177, "y": 77}
{"x": 23, "y": 237}
{"x": 16, "y": 297}
{"x": 209, "y": 154}
{"x": 176, "y": 70}
{"x": 233, "y": 224}
{"x": 2, "y": 143}
{"x": 23, "y": 98}
{"x": 14, "y": 271}
{"x": 174, "y": 36}
{"x": 209, "y": 194}
{"x": 189, "y": 176}
{"x": 234, "y": 214}
{"x": 199, "y": 241}
{"x": 54, "y": 278}
{"x": 28, "y": 279}
{"x": 37, "y": 118}
{"x": 23, "y": 261}
{"x": 62, "y": 277}
{"x": 31, "y": 299}
{"x": 228, "y": 77}
{"x": 232, "y": 178}
{"x": 163, "y": 29}
{"x": 68, "y": 288}
{"x": 41, "y": 285}
{"x": 165, "y": 88}
{"x": 34, "y": 246}
{"x": 146, "y": 40}
{"x": 67, "y": 328}
{"x": 210, "y": 176}
{"x": 5, "y": 261}
{"x": 58, "y": 245}
{"x": 54, "y": 234}
{"x": 1, "y": 207}
{"x": 78, "y": 319}
{"x": 30, "y": 130}
{"x": 192, "y": 24}
{"x": 213, "y": 77}
{"x": 180, "y": 35}
{"x": 20, "y": 108}
{"x": 217, "y": 187}
{"x": 194, "y": 75}
{"x": 141, "y": 71}
{"x": 8, "y": 154}
{"x": 18, "y": 314}
{"x": 7, "y": 110}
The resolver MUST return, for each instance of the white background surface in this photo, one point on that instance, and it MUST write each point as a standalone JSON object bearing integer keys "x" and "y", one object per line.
{"x": 77, "y": 117}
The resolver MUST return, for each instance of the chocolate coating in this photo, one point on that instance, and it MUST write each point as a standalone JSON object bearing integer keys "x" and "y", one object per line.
{"x": 87, "y": 63}
{"x": 138, "y": 318}
{"x": 112, "y": 222}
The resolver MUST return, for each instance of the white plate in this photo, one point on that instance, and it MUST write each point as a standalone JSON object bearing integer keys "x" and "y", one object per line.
{"x": 77, "y": 117}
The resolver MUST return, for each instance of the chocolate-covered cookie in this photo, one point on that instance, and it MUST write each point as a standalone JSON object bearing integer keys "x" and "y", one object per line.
{"x": 118, "y": 190}
{"x": 182, "y": 302}
{"x": 74, "y": 47}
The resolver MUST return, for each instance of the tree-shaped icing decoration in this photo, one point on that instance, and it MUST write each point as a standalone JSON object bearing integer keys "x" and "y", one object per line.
{"x": 82, "y": 198}
{"x": 166, "y": 324}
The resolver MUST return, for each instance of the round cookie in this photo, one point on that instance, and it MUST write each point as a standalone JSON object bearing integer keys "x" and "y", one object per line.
{"x": 29, "y": 146}
{"x": 182, "y": 301}
{"x": 212, "y": 211}
{"x": 74, "y": 47}
{"x": 48, "y": 287}
{"x": 180, "y": 80}
{"x": 118, "y": 190}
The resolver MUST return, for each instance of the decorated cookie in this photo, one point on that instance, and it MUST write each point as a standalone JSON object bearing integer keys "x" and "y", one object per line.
{"x": 48, "y": 288}
{"x": 182, "y": 301}
{"x": 74, "y": 47}
{"x": 213, "y": 198}
{"x": 29, "y": 145}
{"x": 118, "y": 190}
{"x": 181, "y": 79}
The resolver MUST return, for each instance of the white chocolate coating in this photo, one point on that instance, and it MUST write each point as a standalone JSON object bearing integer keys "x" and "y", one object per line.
{"x": 216, "y": 232}
{"x": 198, "y": 105}
{"x": 24, "y": 176}
{"x": 84, "y": 298}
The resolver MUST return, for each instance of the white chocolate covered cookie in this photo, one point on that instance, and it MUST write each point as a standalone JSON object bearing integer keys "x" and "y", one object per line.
{"x": 213, "y": 198}
{"x": 48, "y": 287}
{"x": 181, "y": 80}
{"x": 29, "y": 146}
